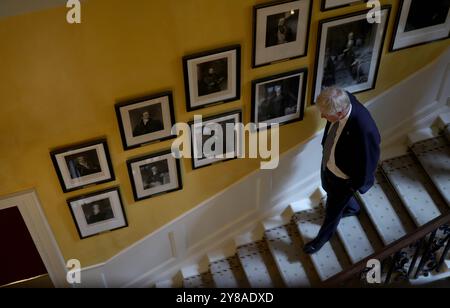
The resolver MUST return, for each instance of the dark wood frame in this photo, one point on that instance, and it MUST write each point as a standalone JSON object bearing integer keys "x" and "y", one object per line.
{"x": 302, "y": 94}
{"x": 394, "y": 33}
{"x": 80, "y": 146}
{"x": 69, "y": 201}
{"x": 187, "y": 58}
{"x": 323, "y": 9}
{"x": 218, "y": 116}
{"x": 140, "y": 158}
{"x": 273, "y": 3}
{"x": 119, "y": 105}
{"x": 380, "y": 52}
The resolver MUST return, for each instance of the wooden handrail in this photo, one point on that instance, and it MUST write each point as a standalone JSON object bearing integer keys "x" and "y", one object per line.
{"x": 388, "y": 250}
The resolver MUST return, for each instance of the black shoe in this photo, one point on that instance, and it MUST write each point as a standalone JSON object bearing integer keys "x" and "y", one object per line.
{"x": 313, "y": 247}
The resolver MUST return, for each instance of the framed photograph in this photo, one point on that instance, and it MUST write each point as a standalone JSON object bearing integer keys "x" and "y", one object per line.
{"x": 83, "y": 165}
{"x": 154, "y": 174}
{"x": 349, "y": 52}
{"x": 215, "y": 139}
{"x": 421, "y": 22}
{"x": 145, "y": 120}
{"x": 279, "y": 99}
{"x": 98, "y": 212}
{"x": 280, "y": 31}
{"x": 327, "y": 5}
{"x": 212, "y": 77}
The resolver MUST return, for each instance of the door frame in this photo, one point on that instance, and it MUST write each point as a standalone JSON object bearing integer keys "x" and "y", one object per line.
{"x": 30, "y": 208}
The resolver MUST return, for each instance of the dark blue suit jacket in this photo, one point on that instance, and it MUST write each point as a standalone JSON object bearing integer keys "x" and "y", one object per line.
{"x": 358, "y": 149}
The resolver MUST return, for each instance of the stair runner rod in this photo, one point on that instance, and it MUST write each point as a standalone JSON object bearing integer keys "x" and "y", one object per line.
{"x": 389, "y": 250}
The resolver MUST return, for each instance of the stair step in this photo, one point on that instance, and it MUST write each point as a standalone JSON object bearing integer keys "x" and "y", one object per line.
{"x": 228, "y": 273}
{"x": 378, "y": 203}
{"x": 259, "y": 266}
{"x": 325, "y": 260}
{"x": 354, "y": 238}
{"x": 434, "y": 155}
{"x": 436, "y": 280}
{"x": 285, "y": 246}
{"x": 204, "y": 280}
{"x": 413, "y": 188}
{"x": 421, "y": 135}
{"x": 443, "y": 120}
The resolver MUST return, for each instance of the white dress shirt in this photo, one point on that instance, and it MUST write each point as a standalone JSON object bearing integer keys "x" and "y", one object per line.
{"x": 331, "y": 164}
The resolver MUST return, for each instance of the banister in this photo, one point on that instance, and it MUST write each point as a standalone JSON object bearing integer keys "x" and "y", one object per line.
{"x": 388, "y": 250}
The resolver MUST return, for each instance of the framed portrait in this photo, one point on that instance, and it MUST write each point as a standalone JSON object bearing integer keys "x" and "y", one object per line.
{"x": 154, "y": 174}
{"x": 83, "y": 165}
{"x": 327, "y": 5}
{"x": 279, "y": 99}
{"x": 216, "y": 139}
{"x": 98, "y": 212}
{"x": 421, "y": 22}
{"x": 212, "y": 77}
{"x": 145, "y": 120}
{"x": 349, "y": 52}
{"x": 280, "y": 31}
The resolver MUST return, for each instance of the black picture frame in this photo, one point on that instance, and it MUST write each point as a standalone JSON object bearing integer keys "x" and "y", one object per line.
{"x": 199, "y": 162}
{"x": 130, "y": 114}
{"x": 212, "y": 77}
{"x": 163, "y": 182}
{"x": 324, "y": 7}
{"x": 286, "y": 101}
{"x": 356, "y": 70}
{"x": 84, "y": 164}
{"x": 405, "y": 36}
{"x": 98, "y": 212}
{"x": 267, "y": 48}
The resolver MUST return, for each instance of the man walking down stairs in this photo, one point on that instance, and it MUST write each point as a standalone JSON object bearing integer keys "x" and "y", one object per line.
{"x": 351, "y": 150}
{"x": 404, "y": 223}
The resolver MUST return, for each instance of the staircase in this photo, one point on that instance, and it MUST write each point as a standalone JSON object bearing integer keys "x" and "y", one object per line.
{"x": 411, "y": 190}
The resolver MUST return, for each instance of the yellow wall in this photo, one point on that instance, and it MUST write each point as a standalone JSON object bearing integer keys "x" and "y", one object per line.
{"x": 59, "y": 84}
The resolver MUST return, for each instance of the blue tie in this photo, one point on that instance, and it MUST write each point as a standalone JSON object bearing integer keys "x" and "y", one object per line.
{"x": 329, "y": 144}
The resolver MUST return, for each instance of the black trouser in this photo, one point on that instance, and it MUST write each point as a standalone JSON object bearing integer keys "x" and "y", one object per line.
{"x": 340, "y": 199}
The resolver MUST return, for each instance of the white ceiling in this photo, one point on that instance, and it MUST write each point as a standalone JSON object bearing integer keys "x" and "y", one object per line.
{"x": 16, "y": 7}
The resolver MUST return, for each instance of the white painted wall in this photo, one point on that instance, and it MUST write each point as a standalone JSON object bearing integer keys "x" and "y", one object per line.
{"x": 413, "y": 103}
